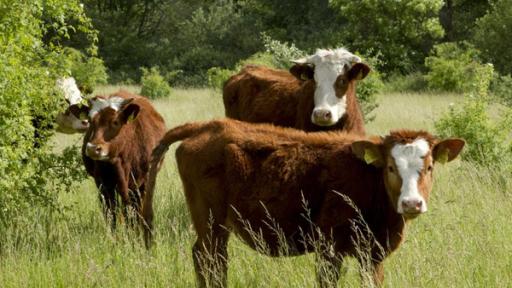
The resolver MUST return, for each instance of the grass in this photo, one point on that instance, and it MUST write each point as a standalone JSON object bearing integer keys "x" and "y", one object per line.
{"x": 463, "y": 241}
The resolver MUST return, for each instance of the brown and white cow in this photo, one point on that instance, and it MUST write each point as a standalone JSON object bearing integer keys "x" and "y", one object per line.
{"x": 124, "y": 129}
{"x": 319, "y": 93}
{"x": 279, "y": 189}
{"x": 74, "y": 118}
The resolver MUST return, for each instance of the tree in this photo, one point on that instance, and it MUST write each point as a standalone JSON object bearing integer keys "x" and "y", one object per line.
{"x": 493, "y": 37}
{"x": 403, "y": 32}
{"x": 30, "y": 53}
{"x": 458, "y": 18}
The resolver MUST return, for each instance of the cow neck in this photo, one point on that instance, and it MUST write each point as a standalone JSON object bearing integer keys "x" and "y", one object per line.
{"x": 386, "y": 224}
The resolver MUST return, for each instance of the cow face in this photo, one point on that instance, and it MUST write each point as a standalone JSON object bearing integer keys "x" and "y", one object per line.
{"x": 407, "y": 160}
{"x": 333, "y": 72}
{"x": 108, "y": 118}
{"x": 73, "y": 120}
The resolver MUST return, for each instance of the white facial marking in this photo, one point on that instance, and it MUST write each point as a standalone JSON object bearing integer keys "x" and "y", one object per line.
{"x": 70, "y": 90}
{"x": 329, "y": 64}
{"x": 99, "y": 104}
{"x": 102, "y": 157}
{"x": 409, "y": 161}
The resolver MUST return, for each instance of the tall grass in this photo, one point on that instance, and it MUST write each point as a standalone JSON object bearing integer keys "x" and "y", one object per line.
{"x": 463, "y": 240}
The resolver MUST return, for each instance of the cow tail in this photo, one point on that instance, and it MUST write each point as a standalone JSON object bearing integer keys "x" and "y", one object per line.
{"x": 173, "y": 135}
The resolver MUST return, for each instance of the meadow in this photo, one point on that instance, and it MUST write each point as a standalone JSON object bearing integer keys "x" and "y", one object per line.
{"x": 463, "y": 240}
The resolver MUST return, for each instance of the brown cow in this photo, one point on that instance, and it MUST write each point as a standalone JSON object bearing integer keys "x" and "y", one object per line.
{"x": 280, "y": 188}
{"x": 319, "y": 94}
{"x": 117, "y": 149}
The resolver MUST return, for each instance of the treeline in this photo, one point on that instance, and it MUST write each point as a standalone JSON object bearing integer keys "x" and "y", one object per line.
{"x": 185, "y": 38}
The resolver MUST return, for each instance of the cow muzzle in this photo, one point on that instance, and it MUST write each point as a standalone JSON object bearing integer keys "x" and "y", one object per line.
{"x": 322, "y": 117}
{"x": 96, "y": 151}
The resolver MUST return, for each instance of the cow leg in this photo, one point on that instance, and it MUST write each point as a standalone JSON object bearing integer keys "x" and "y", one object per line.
{"x": 328, "y": 268}
{"x": 147, "y": 217}
{"x": 372, "y": 274}
{"x": 210, "y": 260}
{"x": 109, "y": 205}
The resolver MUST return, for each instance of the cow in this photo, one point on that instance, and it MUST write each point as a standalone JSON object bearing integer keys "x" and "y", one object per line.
{"x": 278, "y": 189}
{"x": 124, "y": 129}
{"x": 318, "y": 93}
{"x": 74, "y": 118}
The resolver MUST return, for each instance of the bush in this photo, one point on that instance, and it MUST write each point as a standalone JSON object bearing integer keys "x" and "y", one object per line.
{"x": 217, "y": 76}
{"x": 88, "y": 71}
{"x": 368, "y": 89}
{"x": 32, "y": 176}
{"x": 404, "y": 83}
{"x": 455, "y": 67}
{"x": 153, "y": 84}
{"x": 282, "y": 53}
{"x": 486, "y": 140}
{"x": 501, "y": 88}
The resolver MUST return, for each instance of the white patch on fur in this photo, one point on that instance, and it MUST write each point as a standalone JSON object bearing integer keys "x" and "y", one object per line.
{"x": 102, "y": 157}
{"x": 70, "y": 89}
{"x": 99, "y": 104}
{"x": 409, "y": 161}
{"x": 329, "y": 64}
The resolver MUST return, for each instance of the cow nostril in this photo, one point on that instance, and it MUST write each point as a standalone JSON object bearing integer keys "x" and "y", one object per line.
{"x": 419, "y": 204}
{"x": 85, "y": 122}
{"x": 327, "y": 115}
{"x": 98, "y": 149}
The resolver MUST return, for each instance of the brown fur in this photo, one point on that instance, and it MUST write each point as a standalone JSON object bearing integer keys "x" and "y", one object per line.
{"x": 262, "y": 95}
{"x": 238, "y": 175}
{"x": 129, "y": 152}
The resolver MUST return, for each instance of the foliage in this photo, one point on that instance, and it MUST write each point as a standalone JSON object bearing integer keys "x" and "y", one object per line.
{"x": 402, "y": 83}
{"x": 282, "y": 52}
{"x": 217, "y": 76}
{"x": 368, "y": 88}
{"x": 501, "y": 88}
{"x": 493, "y": 37}
{"x": 32, "y": 176}
{"x": 455, "y": 67}
{"x": 88, "y": 71}
{"x": 486, "y": 140}
{"x": 402, "y": 31}
{"x": 153, "y": 84}
{"x": 458, "y": 18}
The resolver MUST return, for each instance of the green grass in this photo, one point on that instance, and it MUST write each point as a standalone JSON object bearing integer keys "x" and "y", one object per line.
{"x": 463, "y": 241}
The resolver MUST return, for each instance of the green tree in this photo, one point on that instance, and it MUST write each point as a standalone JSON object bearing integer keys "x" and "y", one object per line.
{"x": 30, "y": 35}
{"x": 458, "y": 18}
{"x": 493, "y": 36}
{"x": 402, "y": 31}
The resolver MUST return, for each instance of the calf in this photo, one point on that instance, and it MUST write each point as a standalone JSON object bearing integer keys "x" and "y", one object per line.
{"x": 319, "y": 93}
{"x": 279, "y": 189}
{"x": 116, "y": 151}
{"x": 73, "y": 119}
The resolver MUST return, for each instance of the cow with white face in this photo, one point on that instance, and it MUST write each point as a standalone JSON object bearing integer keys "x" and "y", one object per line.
{"x": 74, "y": 118}
{"x": 333, "y": 72}
{"x": 318, "y": 93}
{"x": 407, "y": 159}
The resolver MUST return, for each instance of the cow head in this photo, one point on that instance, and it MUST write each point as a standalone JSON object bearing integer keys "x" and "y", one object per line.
{"x": 333, "y": 72}
{"x": 407, "y": 159}
{"x": 74, "y": 118}
{"x": 108, "y": 117}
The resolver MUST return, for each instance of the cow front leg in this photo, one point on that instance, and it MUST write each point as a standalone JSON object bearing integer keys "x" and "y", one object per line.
{"x": 372, "y": 274}
{"x": 328, "y": 268}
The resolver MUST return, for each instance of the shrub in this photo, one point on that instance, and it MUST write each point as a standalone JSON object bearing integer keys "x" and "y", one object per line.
{"x": 368, "y": 89}
{"x": 153, "y": 84}
{"x": 486, "y": 140}
{"x": 88, "y": 71}
{"x": 31, "y": 175}
{"x": 455, "y": 67}
{"x": 217, "y": 76}
{"x": 282, "y": 53}
{"x": 501, "y": 88}
{"x": 402, "y": 83}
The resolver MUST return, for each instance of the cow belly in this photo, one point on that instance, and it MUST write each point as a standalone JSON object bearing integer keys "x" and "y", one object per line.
{"x": 274, "y": 226}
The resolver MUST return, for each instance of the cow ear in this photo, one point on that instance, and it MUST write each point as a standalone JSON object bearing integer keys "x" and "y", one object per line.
{"x": 129, "y": 113}
{"x": 369, "y": 152}
{"x": 302, "y": 71}
{"x": 358, "y": 71}
{"x": 80, "y": 111}
{"x": 447, "y": 150}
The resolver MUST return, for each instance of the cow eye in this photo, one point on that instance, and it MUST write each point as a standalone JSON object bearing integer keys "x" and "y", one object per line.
{"x": 429, "y": 168}
{"x": 116, "y": 122}
{"x": 391, "y": 169}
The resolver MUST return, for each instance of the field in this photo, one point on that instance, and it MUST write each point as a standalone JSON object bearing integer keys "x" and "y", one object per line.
{"x": 463, "y": 241}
